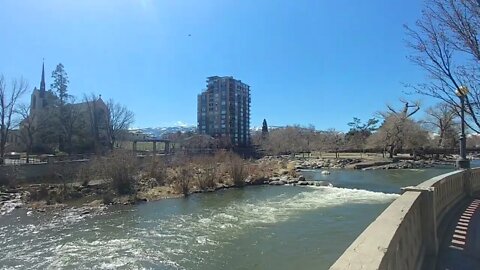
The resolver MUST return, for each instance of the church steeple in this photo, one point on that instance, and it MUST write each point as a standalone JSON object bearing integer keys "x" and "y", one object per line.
{"x": 42, "y": 82}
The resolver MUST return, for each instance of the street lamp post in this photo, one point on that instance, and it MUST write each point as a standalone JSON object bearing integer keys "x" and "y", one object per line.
{"x": 462, "y": 161}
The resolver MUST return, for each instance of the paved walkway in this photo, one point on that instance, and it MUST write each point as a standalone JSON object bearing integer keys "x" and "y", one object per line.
{"x": 461, "y": 248}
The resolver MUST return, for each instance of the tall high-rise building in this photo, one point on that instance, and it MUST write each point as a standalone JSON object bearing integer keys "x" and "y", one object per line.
{"x": 224, "y": 110}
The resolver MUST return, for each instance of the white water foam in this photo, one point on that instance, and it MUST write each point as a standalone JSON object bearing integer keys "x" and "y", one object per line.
{"x": 10, "y": 205}
{"x": 177, "y": 240}
{"x": 280, "y": 209}
{"x": 213, "y": 227}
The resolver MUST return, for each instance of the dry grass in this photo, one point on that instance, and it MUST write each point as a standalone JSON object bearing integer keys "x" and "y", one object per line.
{"x": 181, "y": 180}
{"x": 122, "y": 168}
{"x": 205, "y": 172}
{"x": 157, "y": 169}
{"x": 207, "y": 177}
{"x": 237, "y": 171}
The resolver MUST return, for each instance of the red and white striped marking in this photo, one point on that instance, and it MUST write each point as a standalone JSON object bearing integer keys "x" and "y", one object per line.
{"x": 459, "y": 238}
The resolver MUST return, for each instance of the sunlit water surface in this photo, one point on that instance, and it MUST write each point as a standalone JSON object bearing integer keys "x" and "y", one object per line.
{"x": 263, "y": 227}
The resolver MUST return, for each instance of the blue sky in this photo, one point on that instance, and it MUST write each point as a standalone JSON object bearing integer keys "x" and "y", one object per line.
{"x": 307, "y": 61}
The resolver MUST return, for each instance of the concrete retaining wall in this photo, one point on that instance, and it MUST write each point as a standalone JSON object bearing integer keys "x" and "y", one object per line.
{"x": 42, "y": 172}
{"x": 405, "y": 235}
{"x": 47, "y": 172}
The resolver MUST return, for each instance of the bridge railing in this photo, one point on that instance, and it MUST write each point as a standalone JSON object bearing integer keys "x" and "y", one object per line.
{"x": 405, "y": 235}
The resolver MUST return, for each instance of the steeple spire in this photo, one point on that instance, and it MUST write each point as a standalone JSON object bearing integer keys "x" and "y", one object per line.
{"x": 42, "y": 83}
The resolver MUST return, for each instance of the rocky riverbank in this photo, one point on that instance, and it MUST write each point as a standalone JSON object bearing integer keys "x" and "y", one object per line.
{"x": 318, "y": 163}
{"x": 10, "y": 199}
{"x": 272, "y": 171}
{"x": 409, "y": 164}
{"x": 45, "y": 197}
{"x": 314, "y": 163}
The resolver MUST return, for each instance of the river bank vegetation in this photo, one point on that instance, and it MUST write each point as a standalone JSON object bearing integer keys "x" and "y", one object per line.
{"x": 393, "y": 140}
{"x": 124, "y": 178}
{"x": 394, "y": 131}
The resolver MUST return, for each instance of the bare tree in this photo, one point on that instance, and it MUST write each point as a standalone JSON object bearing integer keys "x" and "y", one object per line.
{"x": 98, "y": 119}
{"x": 408, "y": 110}
{"x": 30, "y": 126}
{"x": 356, "y": 137}
{"x": 120, "y": 118}
{"x": 8, "y": 107}
{"x": 396, "y": 135}
{"x": 397, "y": 129}
{"x": 441, "y": 119}
{"x": 334, "y": 141}
{"x": 288, "y": 140}
{"x": 446, "y": 44}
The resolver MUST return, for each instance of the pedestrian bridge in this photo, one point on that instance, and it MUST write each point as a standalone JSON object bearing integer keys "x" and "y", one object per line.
{"x": 435, "y": 225}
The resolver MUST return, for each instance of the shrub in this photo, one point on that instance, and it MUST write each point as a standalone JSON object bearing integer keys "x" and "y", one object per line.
{"x": 84, "y": 175}
{"x": 55, "y": 197}
{"x": 158, "y": 171}
{"x": 206, "y": 177}
{"x": 94, "y": 169}
{"x": 181, "y": 180}
{"x": 121, "y": 168}
{"x": 237, "y": 171}
{"x": 39, "y": 194}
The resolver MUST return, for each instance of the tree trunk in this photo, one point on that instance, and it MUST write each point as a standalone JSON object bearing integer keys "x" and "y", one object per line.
{"x": 69, "y": 145}
{"x": 390, "y": 152}
{"x": 2, "y": 151}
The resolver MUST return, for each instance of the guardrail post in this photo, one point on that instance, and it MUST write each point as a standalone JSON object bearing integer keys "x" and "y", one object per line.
{"x": 428, "y": 214}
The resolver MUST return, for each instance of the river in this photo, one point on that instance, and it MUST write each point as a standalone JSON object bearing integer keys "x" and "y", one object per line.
{"x": 265, "y": 227}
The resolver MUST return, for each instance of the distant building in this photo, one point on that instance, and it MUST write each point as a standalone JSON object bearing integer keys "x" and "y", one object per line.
{"x": 224, "y": 110}
{"x": 136, "y": 135}
{"x": 91, "y": 117}
{"x": 14, "y": 141}
{"x": 41, "y": 99}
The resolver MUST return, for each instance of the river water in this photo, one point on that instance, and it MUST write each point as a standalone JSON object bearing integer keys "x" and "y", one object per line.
{"x": 278, "y": 227}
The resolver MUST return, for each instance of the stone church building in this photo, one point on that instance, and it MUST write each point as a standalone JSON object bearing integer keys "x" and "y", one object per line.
{"x": 90, "y": 117}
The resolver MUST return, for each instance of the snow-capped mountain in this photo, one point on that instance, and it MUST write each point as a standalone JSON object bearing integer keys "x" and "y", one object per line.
{"x": 161, "y": 132}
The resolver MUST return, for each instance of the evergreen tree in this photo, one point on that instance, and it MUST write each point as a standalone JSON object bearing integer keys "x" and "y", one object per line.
{"x": 66, "y": 116}
{"x": 60, "y": 83}
{"x": 264, "y": 128}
